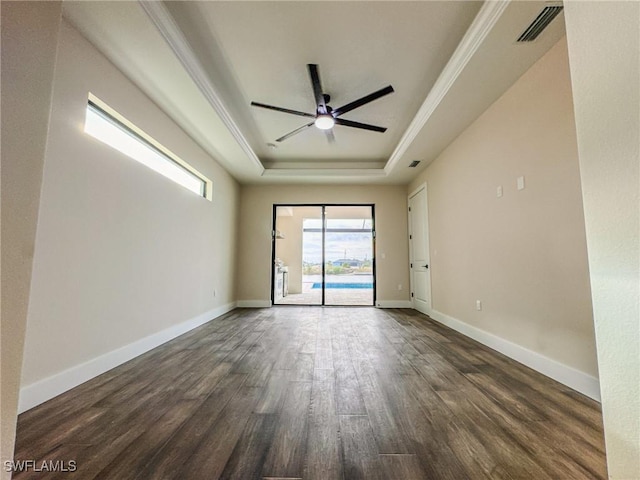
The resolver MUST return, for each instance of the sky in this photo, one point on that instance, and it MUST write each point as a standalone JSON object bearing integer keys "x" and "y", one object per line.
{"x": 339, "y": 245}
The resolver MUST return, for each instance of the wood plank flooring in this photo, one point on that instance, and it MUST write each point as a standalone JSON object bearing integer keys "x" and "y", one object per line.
{"x": 318, "y": 393}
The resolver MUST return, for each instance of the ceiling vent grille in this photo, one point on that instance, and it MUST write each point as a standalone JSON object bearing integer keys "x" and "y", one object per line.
{"x": 414, "y": 164}
{"x": 540, "y": 23}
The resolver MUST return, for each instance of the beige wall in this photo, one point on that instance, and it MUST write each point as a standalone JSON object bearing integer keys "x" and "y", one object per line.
{"x": 604, "y": 53}
{"x": 29, "y": 38}
{"x": 524, "y": 254}
{"x": 122, "y": 252}
{"x": 254, "y": 259}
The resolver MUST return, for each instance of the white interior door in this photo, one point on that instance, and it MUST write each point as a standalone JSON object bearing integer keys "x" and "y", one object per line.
{"x": 419, "y": 250}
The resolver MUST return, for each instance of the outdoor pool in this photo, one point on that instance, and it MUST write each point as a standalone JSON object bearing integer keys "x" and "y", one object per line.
{"x": 343, "y": 285}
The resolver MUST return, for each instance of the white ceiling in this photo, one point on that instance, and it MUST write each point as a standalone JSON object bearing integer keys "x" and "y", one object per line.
{"x": 204, "y": 62}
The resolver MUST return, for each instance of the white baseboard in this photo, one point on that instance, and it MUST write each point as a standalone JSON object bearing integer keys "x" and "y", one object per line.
{"x": 47, "y": 388}
{"x": 394, "y": 304}
{"x": 569, "y": 376}
{"x": 254, "y": 303}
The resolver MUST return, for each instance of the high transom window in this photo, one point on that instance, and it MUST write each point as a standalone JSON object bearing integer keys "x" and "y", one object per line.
{"x": 103, "y": 123}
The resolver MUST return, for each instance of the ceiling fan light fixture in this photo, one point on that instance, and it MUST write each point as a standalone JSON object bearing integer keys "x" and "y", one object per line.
{"x": 325, "y": 122}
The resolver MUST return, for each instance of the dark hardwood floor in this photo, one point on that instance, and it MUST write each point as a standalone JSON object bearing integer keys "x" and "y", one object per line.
{"x": 318, "y": 393}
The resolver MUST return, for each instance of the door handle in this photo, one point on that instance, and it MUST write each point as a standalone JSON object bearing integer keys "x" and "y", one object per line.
{"x": 426, "y": 266}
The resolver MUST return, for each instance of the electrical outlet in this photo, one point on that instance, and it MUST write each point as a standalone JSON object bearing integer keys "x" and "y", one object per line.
{"x": 499, "y": 191}
{"x": 399, "y": 286}
{"x": 520, "y": 183}
{"x": 478, "y": 305}
{"x": 215, "y": 292}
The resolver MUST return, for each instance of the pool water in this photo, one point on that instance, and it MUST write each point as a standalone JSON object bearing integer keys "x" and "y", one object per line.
{"x": 343, "y": 285}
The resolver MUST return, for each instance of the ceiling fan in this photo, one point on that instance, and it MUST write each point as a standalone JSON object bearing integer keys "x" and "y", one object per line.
{"x": 326, "y": 117}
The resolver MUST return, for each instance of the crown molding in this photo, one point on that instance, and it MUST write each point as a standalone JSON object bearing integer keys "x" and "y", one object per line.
{"x": 324, "y": 172}
{"x": 323, "y": 165}
{"x": 176, "y": 40}
{"x": 484, "y": 22}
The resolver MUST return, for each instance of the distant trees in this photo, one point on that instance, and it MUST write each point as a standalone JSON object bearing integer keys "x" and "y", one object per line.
{"x": 331, "y": 269}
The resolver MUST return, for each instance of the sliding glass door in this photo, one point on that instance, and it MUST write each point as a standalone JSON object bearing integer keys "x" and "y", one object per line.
{"x": 323, "y": 255}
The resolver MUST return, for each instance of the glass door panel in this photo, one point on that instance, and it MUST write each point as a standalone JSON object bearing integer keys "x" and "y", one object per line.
{"x": 297, "y": 268}
{"x": 348, "y": 253}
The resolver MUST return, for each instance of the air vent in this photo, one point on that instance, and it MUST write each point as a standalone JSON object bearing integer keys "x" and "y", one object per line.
{"x": 540, "y": 23}
{"x": 414, "y": 164}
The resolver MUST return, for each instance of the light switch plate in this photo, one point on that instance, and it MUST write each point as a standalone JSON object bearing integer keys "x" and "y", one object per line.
{"x": 520, "y": 183}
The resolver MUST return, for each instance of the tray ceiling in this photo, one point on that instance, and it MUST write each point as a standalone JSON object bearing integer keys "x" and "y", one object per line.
{"x": 204, "y": 62}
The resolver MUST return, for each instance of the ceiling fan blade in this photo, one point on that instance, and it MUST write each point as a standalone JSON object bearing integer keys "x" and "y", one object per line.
{"x": 296, "y": 131}
{"x": 283, "y": 110}
{"x": 362, "y": 101}
{"x": 321, "y": 106}
{"x": 364, "y": 126}
{"x": 330, "y": 136}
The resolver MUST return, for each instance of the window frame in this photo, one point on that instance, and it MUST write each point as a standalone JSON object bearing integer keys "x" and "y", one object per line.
{"x": 100, "y": 108}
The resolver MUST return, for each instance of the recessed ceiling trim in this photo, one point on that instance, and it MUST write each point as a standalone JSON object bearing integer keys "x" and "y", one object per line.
{"x": 484, "y": 22}
{"x": 324, "y": 165}
{"x": 323, "y": 172}
{"x": 174, "y": 37}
